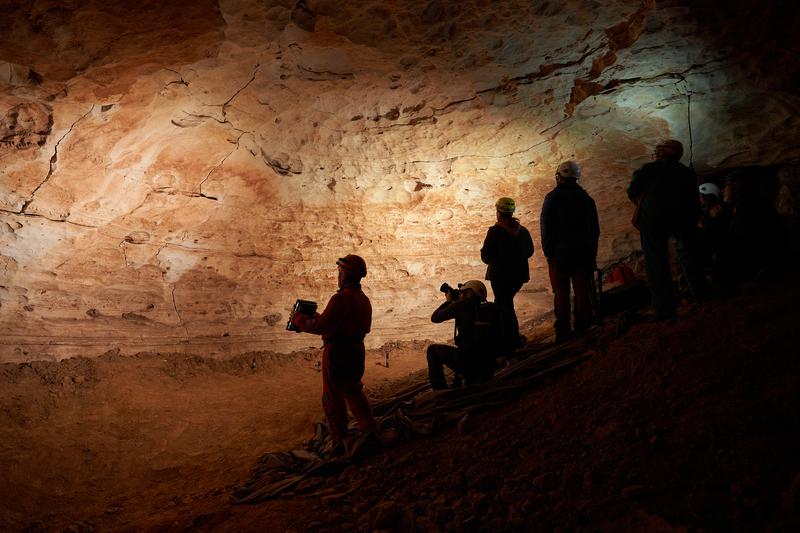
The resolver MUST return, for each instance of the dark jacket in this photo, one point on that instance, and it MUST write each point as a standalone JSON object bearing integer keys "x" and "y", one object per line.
{"x": 506, "y": 250}
{"x": 343, "y": 324}
{"x": 570, "y": 228}
{"x": 478, "y": 332}
{"x": 668, "y": 193}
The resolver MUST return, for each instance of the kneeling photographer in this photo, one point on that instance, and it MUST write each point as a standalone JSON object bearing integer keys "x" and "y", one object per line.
{"x": 478, "y": 336}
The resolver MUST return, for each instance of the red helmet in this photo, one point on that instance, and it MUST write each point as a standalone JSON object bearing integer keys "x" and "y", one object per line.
{"x": 670, "y": 148}
{"x": 353, "y": 264}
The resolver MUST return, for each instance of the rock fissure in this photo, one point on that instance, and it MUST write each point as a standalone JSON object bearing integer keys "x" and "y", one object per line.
{"x": 242, "y": 88}
{"x": 179, "y": 81}
{"x": 217, "y": 166}
{"x": 178, "y": 313}
{"x": 39, "y": 215}
{"x": 542, "y": 73}
{"x": 619, "y": 37}
{"x": 325, "y": 75}
{"x": 53, "y": 160}
{"x": 681, "y": 77}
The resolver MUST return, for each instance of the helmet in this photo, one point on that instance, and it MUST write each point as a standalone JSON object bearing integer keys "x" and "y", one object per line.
{"x": 671, "y": 148}
{"x": 477, "y": 287}
{"x": 505, "y": 205}
{"x": 353, "y": 264}
{"x": 569, "y": 169}
{"x": 710, "y": 188}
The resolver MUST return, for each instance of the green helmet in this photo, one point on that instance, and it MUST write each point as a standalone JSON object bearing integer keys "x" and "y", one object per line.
{"x": 505, "y": 205}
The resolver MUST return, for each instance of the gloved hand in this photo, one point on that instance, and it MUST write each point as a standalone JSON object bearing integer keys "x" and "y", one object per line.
{"x": 297, "y": 319}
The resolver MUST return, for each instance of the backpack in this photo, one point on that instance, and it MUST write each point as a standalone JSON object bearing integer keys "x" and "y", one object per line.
{"x": 484, "y": 335}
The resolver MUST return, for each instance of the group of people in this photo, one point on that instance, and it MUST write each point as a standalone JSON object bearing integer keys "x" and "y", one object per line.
{"x": 665, "y": 194}
{"x": 733, "y": 232}
{"x": 570, "y": 231}
{"x": 483, "y": 330}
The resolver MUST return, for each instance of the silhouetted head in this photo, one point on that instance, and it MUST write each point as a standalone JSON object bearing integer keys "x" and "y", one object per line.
{"x": 473, "y": 289}
{"x": 568, "y": 172}
{"x": 505, "y": 207}
{"x": 351, "y": 269}
{"x": 669, "y": 149}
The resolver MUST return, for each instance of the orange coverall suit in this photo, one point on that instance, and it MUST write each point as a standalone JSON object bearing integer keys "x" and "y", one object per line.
{"x": 343, "y": 324}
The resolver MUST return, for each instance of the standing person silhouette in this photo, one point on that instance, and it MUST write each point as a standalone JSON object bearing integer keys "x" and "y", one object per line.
{"x": 665, "y": 192}
{"x": 343, "y": 325}
{"x": 506, "y": 250}
{"x": 570, "y": 231}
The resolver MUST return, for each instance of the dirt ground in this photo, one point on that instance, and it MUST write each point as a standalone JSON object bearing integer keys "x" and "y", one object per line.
{"x": 127, "y": 442}
{"x": 685, "y": 425}
{"x": 691, "y": 424}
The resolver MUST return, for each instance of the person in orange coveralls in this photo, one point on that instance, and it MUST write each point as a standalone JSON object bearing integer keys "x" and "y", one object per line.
{"x": 343, "y": 324}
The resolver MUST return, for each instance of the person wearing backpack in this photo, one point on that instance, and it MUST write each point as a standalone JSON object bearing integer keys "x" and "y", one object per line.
{"x": 478, "y": 336}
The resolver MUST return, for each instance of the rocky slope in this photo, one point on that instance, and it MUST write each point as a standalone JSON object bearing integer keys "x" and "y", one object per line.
{"x": 686, "y": 425}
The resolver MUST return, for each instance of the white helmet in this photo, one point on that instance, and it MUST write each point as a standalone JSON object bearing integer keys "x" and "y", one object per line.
{"x": 477, "y": 287}
{"x": 710, "y": 188}
{"x": 569, "y": 169}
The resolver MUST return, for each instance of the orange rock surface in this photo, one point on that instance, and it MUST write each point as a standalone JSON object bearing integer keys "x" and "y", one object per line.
{"x": 173, "y": 178}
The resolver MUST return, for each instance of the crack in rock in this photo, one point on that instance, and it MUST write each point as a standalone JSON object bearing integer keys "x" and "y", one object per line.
{"x": 613, "y": 84}
{"x": 279, "y": 164}
{"x": 180, "y": 318}
{"x": 137, "y": 237}
{"x": 394, "y": 114}
{"x": 507, "y": 84}
{"x": 481, "y": 156}
{"x": 242, "y": 88}
{"x": 217, "y": 166}
{"x": 619, "y": 37}
{"x": 191, "y": 120}
{"x": 325, "y": 75}
{"x": 179, "y": 81}
{"x": 37, "y": 215}
{"x": 53, "y": 160}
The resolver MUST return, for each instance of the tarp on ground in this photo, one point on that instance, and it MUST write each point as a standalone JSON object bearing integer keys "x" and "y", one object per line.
{"x": 414, "y": 411}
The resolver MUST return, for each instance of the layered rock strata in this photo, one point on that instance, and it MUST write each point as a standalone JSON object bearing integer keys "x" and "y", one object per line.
{"x": 172, "y": 179}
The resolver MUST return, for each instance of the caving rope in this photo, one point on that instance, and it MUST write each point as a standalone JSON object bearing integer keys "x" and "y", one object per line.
{"x": 689, "y": 121}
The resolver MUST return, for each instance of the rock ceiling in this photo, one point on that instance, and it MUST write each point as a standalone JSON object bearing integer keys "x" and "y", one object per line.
{"x": 173, "y": 178}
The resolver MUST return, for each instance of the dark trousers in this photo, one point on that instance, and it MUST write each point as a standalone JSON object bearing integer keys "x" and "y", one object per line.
{"x": 581, "y": 278}
{"x": 337, "y": 396}
{"x": 439, "y": 356}
{"x": 443, "y": 355}
{"x": 655, "y": 245}
{"x": 504, "y": 293}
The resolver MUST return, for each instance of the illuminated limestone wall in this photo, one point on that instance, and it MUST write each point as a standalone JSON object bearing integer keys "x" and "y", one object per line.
{"x": 172, "y": 179}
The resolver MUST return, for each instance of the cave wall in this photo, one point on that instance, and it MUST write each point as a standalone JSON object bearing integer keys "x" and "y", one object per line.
{"x": 172, "y": 179}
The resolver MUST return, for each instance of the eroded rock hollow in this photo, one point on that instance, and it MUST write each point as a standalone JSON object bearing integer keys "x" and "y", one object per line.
{"x": 174, "y": 175}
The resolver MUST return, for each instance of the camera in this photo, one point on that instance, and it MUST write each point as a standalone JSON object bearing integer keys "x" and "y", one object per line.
{"x": 447, "y": 289}
{"x": 304, "y": 307}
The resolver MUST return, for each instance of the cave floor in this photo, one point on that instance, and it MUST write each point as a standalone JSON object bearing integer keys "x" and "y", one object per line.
{"x": 692, "y": 423}
{"x": 128, "y": 442}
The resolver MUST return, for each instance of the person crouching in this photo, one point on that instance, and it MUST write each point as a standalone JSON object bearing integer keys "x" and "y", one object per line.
{"x": 478, "y": 336}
